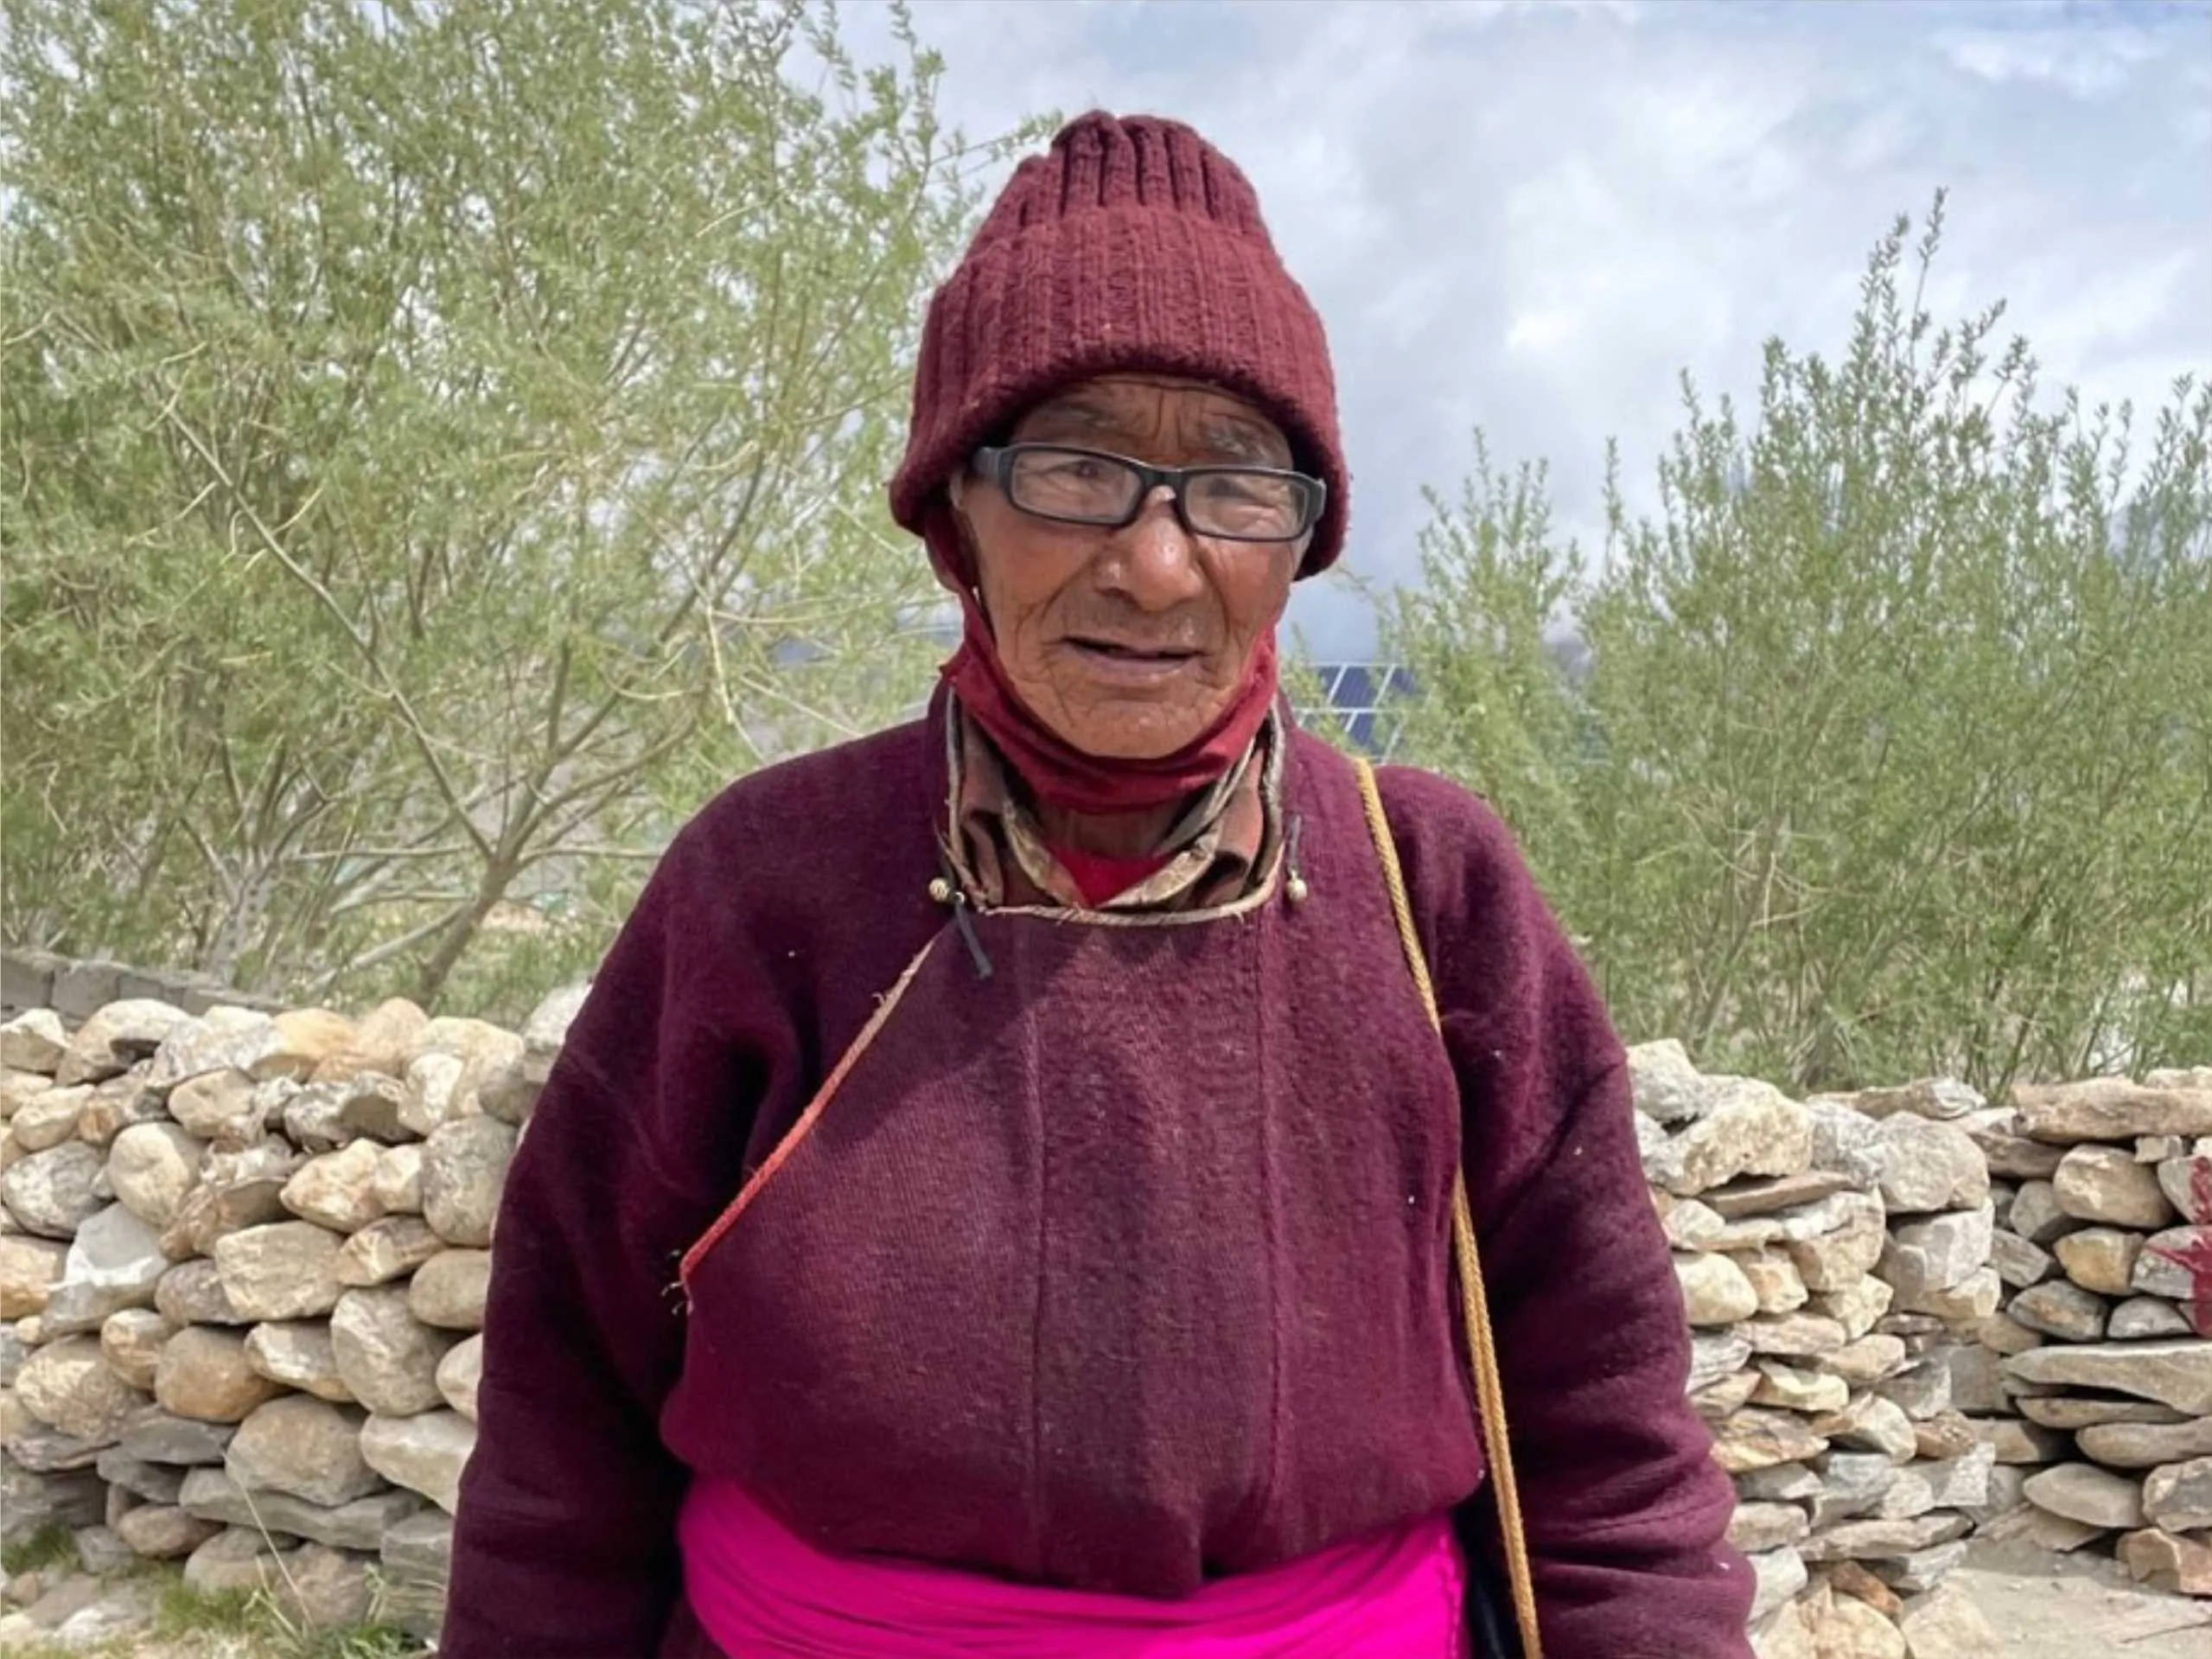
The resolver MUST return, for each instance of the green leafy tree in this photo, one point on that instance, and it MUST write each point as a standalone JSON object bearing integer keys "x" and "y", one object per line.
{"x": 1482, "y": 631}
{"x": 443, "y": 442}
{"x": 1894, "y": 751}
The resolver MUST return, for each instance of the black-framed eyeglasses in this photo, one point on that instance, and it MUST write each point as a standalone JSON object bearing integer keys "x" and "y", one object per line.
{"x": 1072, "y": 486}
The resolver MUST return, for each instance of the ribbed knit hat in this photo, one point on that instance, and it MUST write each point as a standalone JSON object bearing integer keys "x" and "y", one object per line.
{"x": 1132, "y": 246}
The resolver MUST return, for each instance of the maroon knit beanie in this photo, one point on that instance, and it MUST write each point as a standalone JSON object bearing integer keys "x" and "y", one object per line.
{"x": 1132, "y": 247}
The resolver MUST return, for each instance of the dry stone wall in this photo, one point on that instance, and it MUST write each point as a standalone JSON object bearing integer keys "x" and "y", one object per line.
{"x": 1833, "y": 1255}
{"x": 78, "y": 988}
{"x": 2097, "y": 1372}
{"x": 244, "y": 1256}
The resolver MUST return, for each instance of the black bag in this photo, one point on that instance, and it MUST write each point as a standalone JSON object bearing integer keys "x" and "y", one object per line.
{"x": 1489, "y": 1613}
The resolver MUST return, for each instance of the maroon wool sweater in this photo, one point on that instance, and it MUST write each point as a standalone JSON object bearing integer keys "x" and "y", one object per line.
{"x": 739, "y": 981}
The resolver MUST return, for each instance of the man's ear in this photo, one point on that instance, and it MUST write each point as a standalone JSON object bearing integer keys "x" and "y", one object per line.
{"x": 955, "y": 490}
{"x": 964, "y": 527}
{"x": 951, "y": 541}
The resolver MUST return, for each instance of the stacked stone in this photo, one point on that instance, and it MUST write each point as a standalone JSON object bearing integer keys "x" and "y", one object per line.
{"x": 1830, "y": 1404}
{"x": 243, "y": 1259}
{"x": 246, "y": 1258}
{"x": 2103, "y": 1351}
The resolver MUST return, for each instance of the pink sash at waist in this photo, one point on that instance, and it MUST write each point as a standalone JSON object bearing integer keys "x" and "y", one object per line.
{"x": 759, "y": 1592}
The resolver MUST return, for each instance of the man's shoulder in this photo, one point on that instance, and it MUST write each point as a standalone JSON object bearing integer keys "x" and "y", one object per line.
{"x": 1501, "y": 959}
{"x": 1443, "y": 813}
{"x": 847, "y": 806}
{"x": 1462, "y": 859}
{"x": 1434, "y": 820}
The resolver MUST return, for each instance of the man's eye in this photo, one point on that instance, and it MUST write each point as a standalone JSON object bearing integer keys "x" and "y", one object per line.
{"x": 1241, "y": 490}
{"x": 1077, "y": 469}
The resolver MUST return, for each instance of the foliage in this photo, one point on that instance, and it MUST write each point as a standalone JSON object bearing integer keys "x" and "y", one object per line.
{"x": 443, "y": 442}
{"x": 51, "y": 1545}
{"x": 1892, "y": 753}
{"x": 183, "y": 1610}
{"x": 266, "y": 1630}
{"x": 1480, "y": 644}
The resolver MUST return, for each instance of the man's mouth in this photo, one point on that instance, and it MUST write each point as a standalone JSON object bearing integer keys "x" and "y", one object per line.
{"x": 1133, "y": 651}
{"x": 1126, "y": 657}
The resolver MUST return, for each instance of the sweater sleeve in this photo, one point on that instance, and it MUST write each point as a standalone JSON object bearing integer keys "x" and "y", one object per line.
{"x": 1624, "y": 1511}
{"x": 563, "y": 1544}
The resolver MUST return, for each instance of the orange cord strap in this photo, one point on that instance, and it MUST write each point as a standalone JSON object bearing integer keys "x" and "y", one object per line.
{"x": 1482, "y": 1344}
{"x": 800, "y": 1130}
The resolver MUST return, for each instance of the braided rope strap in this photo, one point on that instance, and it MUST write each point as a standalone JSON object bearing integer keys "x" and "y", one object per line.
{"x": 1474, "y": 1302}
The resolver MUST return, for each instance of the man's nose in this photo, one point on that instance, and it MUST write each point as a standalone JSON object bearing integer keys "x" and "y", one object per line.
{"x": 1150, "y": 560}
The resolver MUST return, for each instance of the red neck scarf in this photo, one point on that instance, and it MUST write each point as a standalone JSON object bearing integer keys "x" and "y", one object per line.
{"x": 1099, "y": 877}
{"x": 1063, "y": 776}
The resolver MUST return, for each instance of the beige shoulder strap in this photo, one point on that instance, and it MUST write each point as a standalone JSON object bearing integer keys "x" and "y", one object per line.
{"x": 1482, "y": 1346}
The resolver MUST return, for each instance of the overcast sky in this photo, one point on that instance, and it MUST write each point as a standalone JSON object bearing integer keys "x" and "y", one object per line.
{"x": 1533, "y": 216}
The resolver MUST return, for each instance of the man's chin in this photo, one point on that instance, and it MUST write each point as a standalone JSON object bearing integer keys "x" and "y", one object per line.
{"x": 1131, "y": 729}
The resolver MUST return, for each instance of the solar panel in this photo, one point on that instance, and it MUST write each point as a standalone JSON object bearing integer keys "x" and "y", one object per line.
{"x": 1358, "y": 695}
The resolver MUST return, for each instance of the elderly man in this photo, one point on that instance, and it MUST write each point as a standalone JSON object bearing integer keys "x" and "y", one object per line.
{"x": 1000, "y": 1195}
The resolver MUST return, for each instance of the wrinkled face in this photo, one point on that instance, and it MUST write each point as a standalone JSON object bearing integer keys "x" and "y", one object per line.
{"x": 1130, "y": 643}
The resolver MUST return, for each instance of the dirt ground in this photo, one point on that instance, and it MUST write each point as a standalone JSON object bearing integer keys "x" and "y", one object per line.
{"x": 2040, "y": 1606}
{"x": 2079, "y": 1607}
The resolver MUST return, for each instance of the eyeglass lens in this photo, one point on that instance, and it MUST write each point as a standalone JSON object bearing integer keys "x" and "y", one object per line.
{"x": 1097, "y": 489}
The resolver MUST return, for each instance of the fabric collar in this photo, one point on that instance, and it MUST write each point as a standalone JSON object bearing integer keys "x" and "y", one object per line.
{"x": 1219, "y": 846}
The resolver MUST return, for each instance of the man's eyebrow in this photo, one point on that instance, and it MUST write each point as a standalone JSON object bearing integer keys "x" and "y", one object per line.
{"x": 1242, "y": 440}
{"x": 1238, "y": 440}
{"x": 1078, "y": 414}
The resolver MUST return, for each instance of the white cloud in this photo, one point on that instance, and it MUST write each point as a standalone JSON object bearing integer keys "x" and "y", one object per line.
{"x": 1535, "y": 216}
{"x": 2084, "y": 63}
{"x": 2193, "y": 119}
